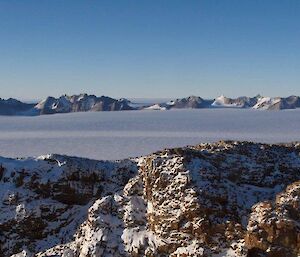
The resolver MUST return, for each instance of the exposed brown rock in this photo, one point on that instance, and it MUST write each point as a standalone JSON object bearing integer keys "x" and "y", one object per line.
{"x": 274, "y": 226}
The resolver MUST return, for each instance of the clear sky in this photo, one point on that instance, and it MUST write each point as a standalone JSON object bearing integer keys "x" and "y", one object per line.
{"x": 149, "y": 48}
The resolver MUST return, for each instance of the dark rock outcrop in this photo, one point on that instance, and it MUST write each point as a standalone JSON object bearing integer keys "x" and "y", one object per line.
{"x": 14, "y": 107}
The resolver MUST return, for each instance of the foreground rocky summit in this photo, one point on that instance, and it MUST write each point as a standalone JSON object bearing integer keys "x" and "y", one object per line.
{"x": 222, "y": 199}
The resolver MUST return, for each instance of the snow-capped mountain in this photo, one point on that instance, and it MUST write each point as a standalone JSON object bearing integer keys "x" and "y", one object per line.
{"x": 80, "y": 103}
{"x": 211, "y": 200}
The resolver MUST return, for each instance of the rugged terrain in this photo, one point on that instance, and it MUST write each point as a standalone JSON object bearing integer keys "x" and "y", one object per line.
{"x": 222, "y": 199}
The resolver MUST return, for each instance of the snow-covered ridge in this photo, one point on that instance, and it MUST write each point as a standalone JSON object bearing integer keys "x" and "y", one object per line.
{"x": 202, "y": 200}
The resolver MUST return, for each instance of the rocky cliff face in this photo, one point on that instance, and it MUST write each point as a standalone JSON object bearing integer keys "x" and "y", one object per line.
{"x": 222, "y": 199}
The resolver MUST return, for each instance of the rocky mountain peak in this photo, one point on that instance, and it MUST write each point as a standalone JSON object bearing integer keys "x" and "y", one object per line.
{"x": 80, "y": 103}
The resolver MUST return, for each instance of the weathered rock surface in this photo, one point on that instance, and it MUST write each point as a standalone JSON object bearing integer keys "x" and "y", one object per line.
{"x": 222, "y": 199}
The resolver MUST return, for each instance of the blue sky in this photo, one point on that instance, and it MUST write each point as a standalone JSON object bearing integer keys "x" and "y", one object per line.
{"x": 157, "y": 48}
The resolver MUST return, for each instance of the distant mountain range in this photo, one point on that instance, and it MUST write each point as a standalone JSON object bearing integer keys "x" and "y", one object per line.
{"x": 84, "y": 103}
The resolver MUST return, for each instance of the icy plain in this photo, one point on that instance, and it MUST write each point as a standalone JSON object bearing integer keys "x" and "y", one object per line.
{"x": 118, "y": 135}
